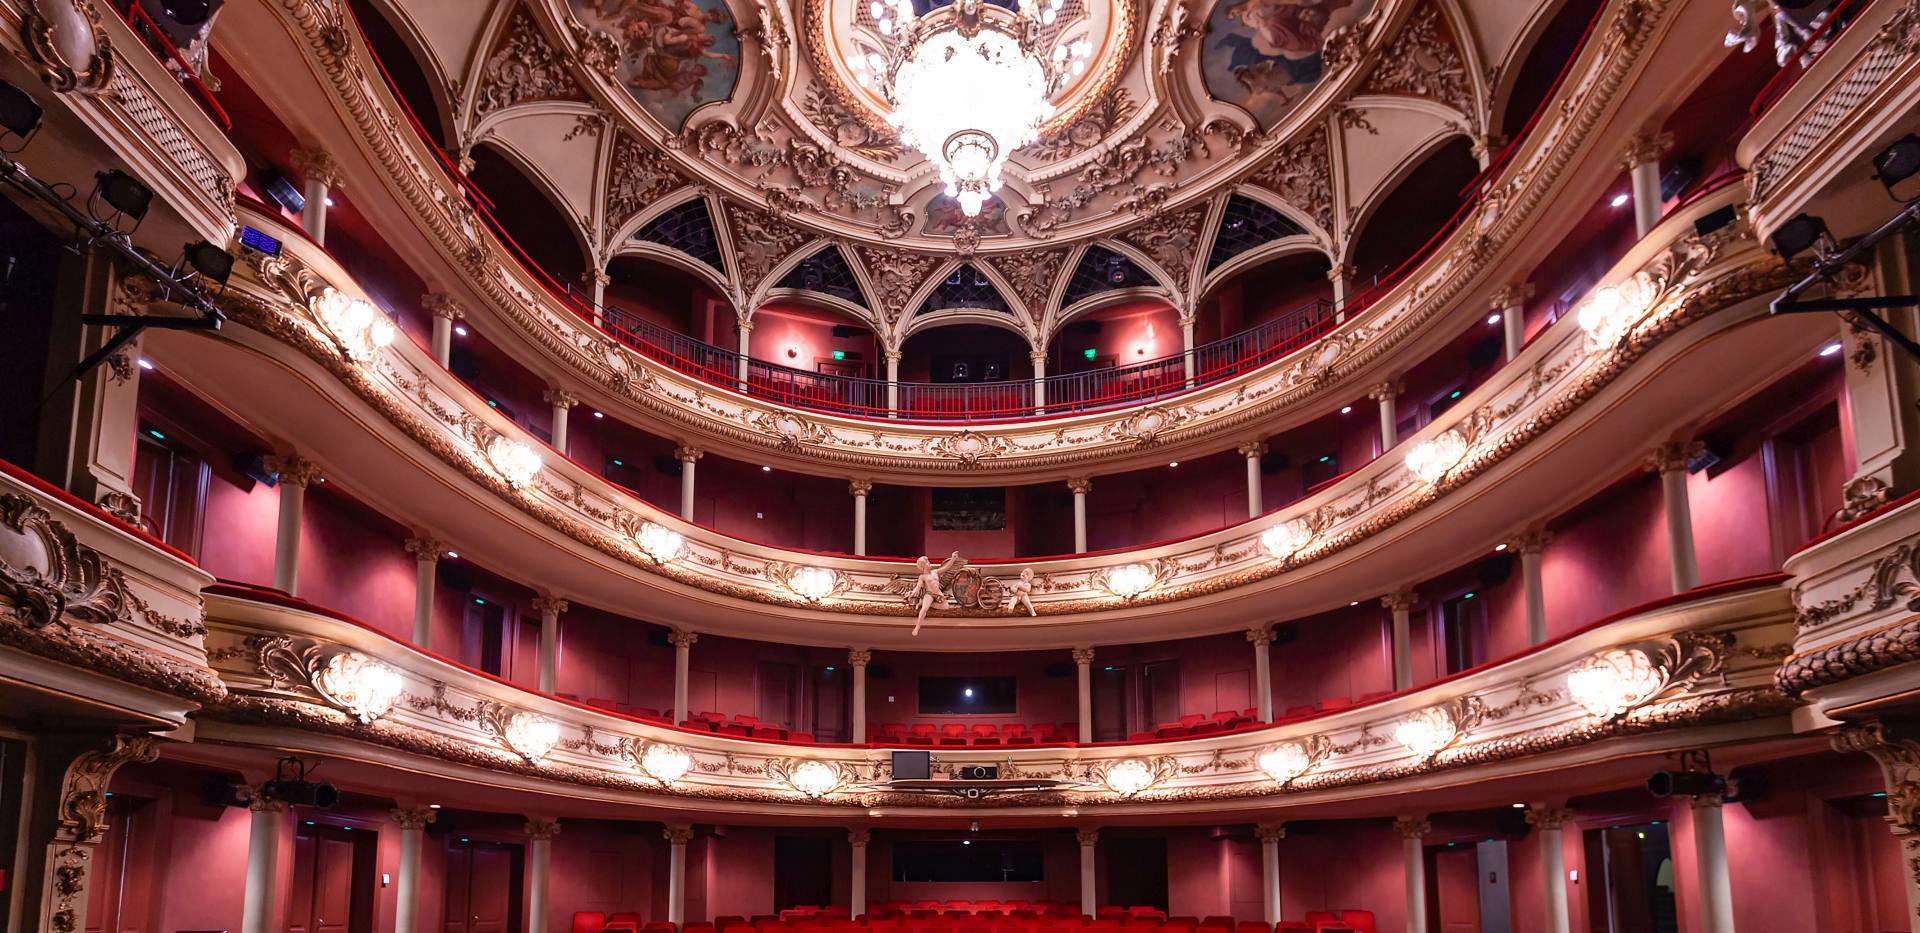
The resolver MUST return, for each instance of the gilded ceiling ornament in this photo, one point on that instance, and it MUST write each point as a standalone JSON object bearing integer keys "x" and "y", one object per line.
{"x": 599, "y": 51}
{"x": 1424, "y": 60}
{"x": 1302, "y": 174}
{"x": 64, "y": 39}
{"x": 847, "y": 130}
{"x": 1168, "y": 34}
{"x": 1103, "y": 118}
{"x": 1172, "y": 240}
{"x": 792, "y": 430}
{"x": 523, "y": 67}
{"x": 896, "y": 275}
{"x": 1032, "y": 273}
{"x": 641, "y": 175}
{"x": 760, "y": 241}
{"x": 969, "y": 447}
{"x": 1146, "y": 426}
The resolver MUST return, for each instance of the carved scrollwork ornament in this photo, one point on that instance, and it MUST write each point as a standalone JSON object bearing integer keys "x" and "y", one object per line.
{"x": 64, "y": 39}
{"x": 49, "y": 576}
{"x": 1616, "y": 681}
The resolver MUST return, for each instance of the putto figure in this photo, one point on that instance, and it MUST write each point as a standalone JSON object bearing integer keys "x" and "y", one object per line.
{"x": 930, "y": 587}
{"x": 1020, "y": 592}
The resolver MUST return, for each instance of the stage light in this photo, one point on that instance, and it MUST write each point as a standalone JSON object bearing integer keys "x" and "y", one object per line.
{"x": 1800, "y": 232}
{"x": 123, "y": 193}
{"x": 1897, "y": 163}
{"x": 210, "y": 260}
{"x": 19, "y": 113}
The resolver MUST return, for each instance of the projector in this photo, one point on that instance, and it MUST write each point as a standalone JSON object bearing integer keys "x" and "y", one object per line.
{"x": 977, "y": 773}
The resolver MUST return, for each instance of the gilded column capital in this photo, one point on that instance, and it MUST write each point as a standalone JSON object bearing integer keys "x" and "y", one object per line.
{"x": 440, "y": 304}
{"x": 560, "y": 398}
{"x": 295, "y": 470}
{"x": 550, "y": 605}
{"x": 1548, "y": 817}
{"x": 891, "y": 356}
{"x": 425, "y": 548}
{"x": 1270, "y": 832}
{"x": 1339, "y": 272}
{"x": 1398, "y": 602}
{"x": 687, "y": 453}
{"x": 1644, "y": 148}
{"x": 317, "y": 166}
{"x": 538, "y": 828}
{"x": 1087, "y": 837}
{"x": 1896, "y": 749}
{"x": 859, "y": 837}
{"x": 1531, "y": 541}
{"x": 677, "y": 833}
{"x": 1485, "y": 147}
{"x": 1080, "y": 485}
{"x": 745, "y": 325}
{"x": 859, "y": 487}
{"x": 593, "y": 277}
{"x": 859, "y": 657}
{"x": 1251, "y": 449}
{"x": 1510, "y": 296}
{"x": 1260, "y": 637}
{"x": 1038, "y": 357}
{"x": 681, "y": 638}
{"x": 1672, "y": 456}
{"x": 259, "y": 802}
{"x": 1384, "y": 391}
{"x": 413, "y": 817}
{"x": 1083, "y": 656}
{"x": 1412, "y": 827}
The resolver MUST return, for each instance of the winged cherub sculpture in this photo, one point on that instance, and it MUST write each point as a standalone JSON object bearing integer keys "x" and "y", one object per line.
{"x": 931, "y": 585}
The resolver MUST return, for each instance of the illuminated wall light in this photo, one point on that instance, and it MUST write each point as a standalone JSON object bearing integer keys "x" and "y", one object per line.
{"x": 532, "y": 735}
{"x": 453, "y": 554}
{"x": 1285, "y": 762}
{"x": 365, "y": 688}
{"x": 1427, "y": 732}
{"x": 766, "y": 469}
{"x": 156, "y": 435}
{"x": 1613, "y": 682}
{"x": 1431, "y": 459}
{"x": 816, "y": 779}
{"x": 813, "y": 584}
{"x": 1286, "y": 539}
{"x": 354, "y": 322}
{"x": 1128, "y": 777}
{"x": 1130, "y": 580}
{"x": 598, "y": 414}
{"x": 660, "y": 542}
{"x": 517, "y": 463}
{"x": 666, "y": 763}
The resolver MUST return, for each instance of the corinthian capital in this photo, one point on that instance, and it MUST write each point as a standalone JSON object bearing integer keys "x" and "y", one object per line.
{"x": 1669, "y": 457}
{"x": 560, "y": 398}
{"x": 440, "y": 304}
{"x": 1080, "y": 485}
{"x": 1398, "y": 602}
{"x": 425, "y": 548}
{"x": 1511, "y": 295}
{"x": 317, "y": 166}
{"x": 295, "y": 470}
{"x": 681, "y": 638}
{"x": 550, "y": 605}
{"x": 413, "y": 817}
{"x": 1260, "y": 637}
{"x": 1644, "y": 148}
{"x": 1412, "y": 827}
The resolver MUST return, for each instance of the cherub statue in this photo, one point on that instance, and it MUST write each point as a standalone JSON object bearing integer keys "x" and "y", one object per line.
{"x": 1020, "y": 592}
{"x": 930, "y": 585}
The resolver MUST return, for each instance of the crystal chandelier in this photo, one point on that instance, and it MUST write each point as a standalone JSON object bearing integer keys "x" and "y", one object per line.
{"x": 970, "y": 83}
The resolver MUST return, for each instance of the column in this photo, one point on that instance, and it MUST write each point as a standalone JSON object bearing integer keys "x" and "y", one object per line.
{"x": 858, "y": 659}
{"x": 1896, "y": 748}
{"x": 746, "y": 345}
{"x": 1083, "y": 665}
{"x": 1341, "y": 277}
{"x": 893, "y": 382}
{"x": 1547, "y": 820}
{"x": 426, "y": 564}
{"x": 1089, "y": 893}
{"x": 1400, "y": 604}
{"x": 1080, "y": 485}
{"x": 1413, "y": 857}
{"x": 677, "y": 836}
{"x": 1262, "y": 638}
{"x": 1710, "y": 861}
{"x": 296, "y": 474}
{"x": 1531, "y": 545}
{"x": 413, "y": 835}
{"x": 1486, "y": 147}
{"x": 1510, "y": 302}
{"x": 62, "y": 822}
{"x": 445, "y": 311}
{"x": 540, "y": 833}
{"x": 596, "y": 281}
{"x": 859, "y": 488}
{"x": 562, "y": 402}
{"x": 682, "y": 641}
{"x": 857, "y": 883}
{"x": 1039, "y": 358}
{"x": 1270, "y": 835}
{"x": 89, "y": 433}
{"x": 259, "y": 911}
{"x": 1253, "y": 451}
{"x": 1187, "y": 362}
{"x": 549, "y": 608}
{"x": 322, "y": 174}
{"x": 1387, "y": 393}
{"x": 1642, "y": 162}
{"x": 688, "y": 456}
{"x": 1670, "y": 461}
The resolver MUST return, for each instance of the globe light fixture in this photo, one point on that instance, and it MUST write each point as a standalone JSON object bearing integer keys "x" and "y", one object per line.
{"x": 665, "y": 763}
{"x": 1285, "y": 761}
{"x": 517, "y": 463}
{"x": 354, "y": 322}
{"x": 1609, "y": 684}
{"x": 1431, "y": 459}
{"x": 1128, "y": 777}
{"x": 660, "y": 542}
{"x": 531, "y": 734}
{"x": 1286, "y": 539}
{"x": 1426, "y": 732}
{"x": 365, "y": 688}
{"x": 970, "y": 83}
{"x": 816, "y": 779}
{"x": 1130, "y": 580}
{"x": 813, "y": 584}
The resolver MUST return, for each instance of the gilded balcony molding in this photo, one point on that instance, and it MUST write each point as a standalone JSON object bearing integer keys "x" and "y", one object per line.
{"x": 1856, "y": 597}
{"x": 1685, "y": 280}
{"x": 1519, "y": 709}
{"x": 676, "y": 404}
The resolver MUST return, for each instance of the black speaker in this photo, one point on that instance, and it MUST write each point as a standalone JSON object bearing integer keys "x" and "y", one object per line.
{"x": 1685, "y": 783}
{"x": 976, "y": 772}
{"x": 1285, "y": 632}
{"x": 1678, "y": 176}
{"x": 1512, "y": 823}
{"x": 282, "y": 191}
{"x": 253, "y": 466}
{"x": 1712, "y": 451}
{"x": 1709, "y": 222}
{"x": 1495, "y": 570}
{"x": 845, "y": 331}
{"x": 1060, "y": 669}
{"x": 670, "y": 466}
{"x": 454, "y": 576}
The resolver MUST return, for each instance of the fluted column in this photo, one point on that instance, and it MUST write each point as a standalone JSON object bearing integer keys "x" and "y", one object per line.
{"x": 1670, "y": 461}
{"x": 677, "y": 836}
{"x": 413, "y": 834}
{"x": 1531, "y": 545}
{"x": 1642, "y": 162}
{"x": 892, "y": 358}
{"x": 540, "y": 833}
{"x": 1546, "y": 821}
{"x": 1510, "y": 302}
{"x": 1270, "y": 835}
{"x": 1710, "y": 861}
{"x": 1083, "y": 666}
{"x": 1080, "y": 485}
{"x": 1387, "y": 394}
{"x": 445, "y": 311}
{"x": 858, "y": 659}
{"x": 562, "y": 402}
{"x": 1089, "y": 890}
{"x": 857, "y": 885}
{"x": 688, "y": 456}
{"x": 259, "y": 904}
{"x": 1187, "y": 360}
{"x": 296, "y": 474}
{"x": 746, "y": 344}
{"x": 1413, "y": 858}
{"x": 1039, "y": 358}
{"x": 321, "y": 174}
{"x": 1262, "y": 639}
{"x": 1401, "y": 604}
{"x": 1253, "y": 451}
{"x": 549, "y": 608}
{"x": 426, "y": 564}
{"x": 859, "y": 489}
{"x": 682, "y": 641}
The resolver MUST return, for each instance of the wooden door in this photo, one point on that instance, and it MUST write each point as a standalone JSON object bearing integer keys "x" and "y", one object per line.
{"x": 332, "y": 881}
{"x": 492, "y": 889}
{"x": 109, "y": 870}
{"x": 1456, "y": 877}
{"x": 459, "y": 868}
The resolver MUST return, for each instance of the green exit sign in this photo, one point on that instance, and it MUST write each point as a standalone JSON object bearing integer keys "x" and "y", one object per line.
{"x": 839, "y": 354}
{"x": 1090, "y": 353}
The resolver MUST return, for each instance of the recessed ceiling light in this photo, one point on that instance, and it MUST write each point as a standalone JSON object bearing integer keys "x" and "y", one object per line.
{"x": 766, "y": 469}
{"x": 1354, "y": 603}
{"x": 1619, "y": 200}
{"x": 329, "y": 201}
{"x": 1174, "y": 463}
{"x": 146, "y": 363}
{"x": 599, "y": 414}
{"x": 462, "y": 331}
{"x": 453, "y": 554}
{"x": 433, "y": 806}
{"x": 1493, "y": 318}
{"x": 1501, "y": 546}
{"x": 1519, "y": 806}
{"x": 1828, "y": 350}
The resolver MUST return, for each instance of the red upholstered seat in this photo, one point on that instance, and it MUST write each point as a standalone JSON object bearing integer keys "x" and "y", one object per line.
{"x": 1333, "y": 703}
{"x": 627, "y": 920}
{"x": 1299, "y": 712}
{"x": 1248, "y": 926}
{"x": 800, "y": 737}
{"x": 588, "y": 921}
{"x": 1146, "y": 912}
{"x": 746, "y": 720}
{"x": 1210, "y": 727}
{"x": 1224, "y": 923}
{"x": 1361, "y": 921}
{"x": 768, "y": 732}
{"x": 657, "y": 926}
{"x": 953, "y": 733}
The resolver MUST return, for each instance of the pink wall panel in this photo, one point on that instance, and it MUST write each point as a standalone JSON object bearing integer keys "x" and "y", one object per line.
{"x": 1342, "y": 653}
{"x": 1146, "y": 506}
{"x": 1607, "y": 556}
{"x": 1040, "y": 698}
{"x": 1729, "y": 509}
{"x": 349, "y": 563}
{"x": 240, "y": 526}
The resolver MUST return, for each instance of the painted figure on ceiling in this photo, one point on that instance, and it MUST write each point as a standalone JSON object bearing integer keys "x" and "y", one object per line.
{"x": 1265, "y": 55}
{"x": 675, "y": 54}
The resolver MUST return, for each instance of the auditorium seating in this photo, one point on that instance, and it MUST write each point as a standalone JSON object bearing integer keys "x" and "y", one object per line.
{"x": 984, "y": 916}
{"x": 984, "y": 734}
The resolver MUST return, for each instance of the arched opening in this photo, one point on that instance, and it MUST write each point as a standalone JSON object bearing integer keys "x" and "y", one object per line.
{"x": 802, "y": 334}
{"x": 1412, "y": 212}
{"x": 397, "y": 59}
{"x": 1255, "y": 296}
{"x": 644, "y": 294}
{"x": 1544, "y": 61}
{"x": 960, "y": 354}
{"x": 530, "y": 218}
{"x": 1121, "y": 334}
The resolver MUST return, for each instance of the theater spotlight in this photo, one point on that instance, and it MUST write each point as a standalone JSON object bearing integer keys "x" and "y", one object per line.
{"x": 19, "y": 112}
{"x": 1798, "y": 234}
{"x": 210, "y": 260}
{"x": 290, "y": 785}
{"x": 124, "y": 193}
{"x": 1897, "y": 163}
{"x": 1685, "y": 783}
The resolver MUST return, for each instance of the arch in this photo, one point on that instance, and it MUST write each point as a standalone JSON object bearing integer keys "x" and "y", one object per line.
{"x": 1017, "y": 346}
{"x": 916, "y": 319}
{"x": 1146, "y": 284}
{"x": 1416, "y": 156}
{"x": 1257, "y": 257}
{"x": 407, "y": 56}
{"x": 1534, "y": 60}
{"x": 664, "y": 293}
{"x": 630, "y": 242}
{"x": 941, "y": 319}
{"x": 776, "y": 281}
{"x": 1446, "y": 163}
{"x": 521, "y": 198}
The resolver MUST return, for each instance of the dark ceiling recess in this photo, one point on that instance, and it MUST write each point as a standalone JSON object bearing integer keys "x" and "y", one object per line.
{"x": 967, "y": 287}
{"x": 688, "y": 228}
{"x": 1417, "y": 207}
{"x": 1544, "y": 61}
{"x": 398, "y": 60}
{"x": 1102, "y": 270}
{"x": 825, "y": 272}
{"x": 536, "y": 224}
{"x": 1247, "y": 224}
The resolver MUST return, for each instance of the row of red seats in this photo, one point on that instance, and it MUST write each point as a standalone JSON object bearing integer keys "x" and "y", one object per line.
{"x": 1038, "y": 908}
{"x": 1198, "y": 724}
{"x": 984, "y": 733}
{"x": 993, "y": 918}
